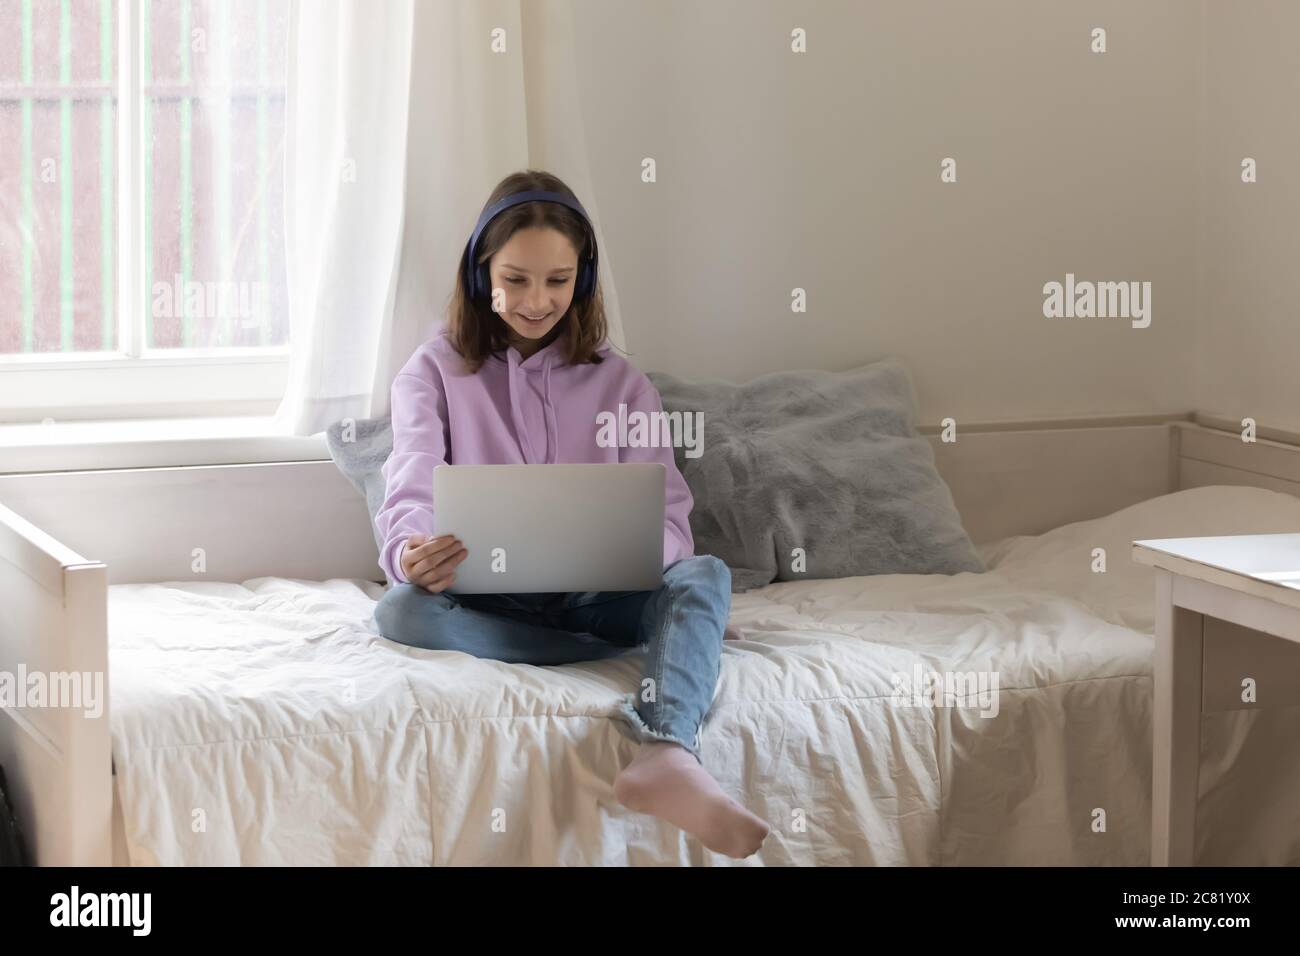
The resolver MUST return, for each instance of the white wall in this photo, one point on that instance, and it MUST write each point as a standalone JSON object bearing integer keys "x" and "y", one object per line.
{"x": 1248, "y": 359}
{"x": 821, "y": 170}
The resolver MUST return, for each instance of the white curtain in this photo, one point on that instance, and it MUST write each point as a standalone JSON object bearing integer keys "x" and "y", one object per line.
{"x": 400, "y": 119}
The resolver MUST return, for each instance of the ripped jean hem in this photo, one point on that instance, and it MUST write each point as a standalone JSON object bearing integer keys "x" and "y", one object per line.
{"x": 645, "y": 733}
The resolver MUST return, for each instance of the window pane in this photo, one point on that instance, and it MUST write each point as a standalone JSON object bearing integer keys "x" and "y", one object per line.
{"x": 58, "y": 196}
{"x": 214, "y": 82}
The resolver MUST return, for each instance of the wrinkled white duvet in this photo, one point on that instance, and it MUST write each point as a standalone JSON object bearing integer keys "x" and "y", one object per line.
{"x": 269, "y": 723}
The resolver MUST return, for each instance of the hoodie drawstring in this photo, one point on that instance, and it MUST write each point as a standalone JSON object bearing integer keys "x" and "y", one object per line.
{"x": 552, "y": 432}
{"x": 514, "y": 385}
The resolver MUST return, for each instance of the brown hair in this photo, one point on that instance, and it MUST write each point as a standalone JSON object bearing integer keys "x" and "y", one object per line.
{"x": 475, "y": 330}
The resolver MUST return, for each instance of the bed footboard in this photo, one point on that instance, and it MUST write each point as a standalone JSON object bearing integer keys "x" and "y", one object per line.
{"x": 55, "y": 743}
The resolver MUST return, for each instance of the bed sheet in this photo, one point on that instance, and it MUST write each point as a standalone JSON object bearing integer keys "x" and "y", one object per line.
{"x": 269, "y": 723}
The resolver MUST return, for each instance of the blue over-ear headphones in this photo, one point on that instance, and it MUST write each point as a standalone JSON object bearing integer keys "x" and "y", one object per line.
{"x": 478, "y": 281}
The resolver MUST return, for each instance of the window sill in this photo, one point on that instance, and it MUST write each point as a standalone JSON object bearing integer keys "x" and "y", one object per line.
{"x": 151, "y": 443}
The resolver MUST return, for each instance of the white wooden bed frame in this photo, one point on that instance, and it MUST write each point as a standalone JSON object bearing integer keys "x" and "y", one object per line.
{"x": 304, "y": 520}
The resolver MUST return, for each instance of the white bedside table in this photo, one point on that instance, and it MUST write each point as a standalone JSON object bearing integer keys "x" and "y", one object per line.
{"x": 1221, "y": 584}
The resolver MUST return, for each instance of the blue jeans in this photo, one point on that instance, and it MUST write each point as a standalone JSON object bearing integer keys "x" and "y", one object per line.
{"x": 681, "y": 624}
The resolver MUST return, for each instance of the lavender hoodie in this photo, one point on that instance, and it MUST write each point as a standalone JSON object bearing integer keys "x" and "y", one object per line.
{"x": 512, "y": 411}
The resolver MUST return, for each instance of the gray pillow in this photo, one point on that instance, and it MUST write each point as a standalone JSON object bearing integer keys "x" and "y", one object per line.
{"x": 827, "y": 462}
{"x": 360, "y": 452}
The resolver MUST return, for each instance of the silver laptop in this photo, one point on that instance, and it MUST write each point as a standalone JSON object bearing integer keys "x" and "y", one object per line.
{"x": 534, "y": 528}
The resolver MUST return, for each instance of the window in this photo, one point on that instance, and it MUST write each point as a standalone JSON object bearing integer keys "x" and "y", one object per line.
{"x": 142, "y": 266}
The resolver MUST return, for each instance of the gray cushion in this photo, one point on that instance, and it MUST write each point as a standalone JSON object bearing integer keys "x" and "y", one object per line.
{"x": 829, "y": 462}
{"x": 360, "y": 452}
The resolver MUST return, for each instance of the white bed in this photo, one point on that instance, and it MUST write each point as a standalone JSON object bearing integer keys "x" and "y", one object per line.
{"x": 268, "y": 723}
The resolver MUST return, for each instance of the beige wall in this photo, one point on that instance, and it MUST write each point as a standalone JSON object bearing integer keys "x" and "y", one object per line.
{"x": 821, "y": 171}
{"x": 1248, "y": 359}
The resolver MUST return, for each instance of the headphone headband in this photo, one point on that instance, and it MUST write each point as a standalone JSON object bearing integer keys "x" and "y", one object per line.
{"x": 478, "y": 280}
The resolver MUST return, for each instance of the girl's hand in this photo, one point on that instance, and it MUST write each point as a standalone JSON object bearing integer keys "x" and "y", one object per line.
{"x": 431, "y": 562}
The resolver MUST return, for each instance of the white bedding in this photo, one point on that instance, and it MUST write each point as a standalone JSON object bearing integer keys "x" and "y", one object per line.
{"x": 269, "y": 723}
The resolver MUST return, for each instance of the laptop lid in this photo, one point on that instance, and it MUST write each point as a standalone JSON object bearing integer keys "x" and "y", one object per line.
{"x": 553, "y": 527}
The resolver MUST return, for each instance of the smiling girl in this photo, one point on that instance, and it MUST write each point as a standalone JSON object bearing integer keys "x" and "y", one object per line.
{"x": 519, "y": 374}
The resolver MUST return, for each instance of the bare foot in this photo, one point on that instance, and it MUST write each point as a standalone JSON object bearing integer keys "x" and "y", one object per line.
{"x": 732, "y": 633}
{"x": 666, "y": 781}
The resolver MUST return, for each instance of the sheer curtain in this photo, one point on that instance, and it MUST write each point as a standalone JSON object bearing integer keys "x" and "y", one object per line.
{"x": 400, "y": 120}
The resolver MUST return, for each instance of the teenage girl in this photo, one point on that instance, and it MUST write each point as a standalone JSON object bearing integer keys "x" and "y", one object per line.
{"x": 518, "y": 375}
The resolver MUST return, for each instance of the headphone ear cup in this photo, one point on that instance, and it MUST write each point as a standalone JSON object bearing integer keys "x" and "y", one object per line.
{"x": 470, "y": 276}
{"x": 586, "y": 284}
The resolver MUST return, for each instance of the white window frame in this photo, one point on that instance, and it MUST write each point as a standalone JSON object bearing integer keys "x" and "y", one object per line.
{"x": 132, "y": 381}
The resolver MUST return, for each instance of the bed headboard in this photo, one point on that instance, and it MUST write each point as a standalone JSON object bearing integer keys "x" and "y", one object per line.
{"x": 1210, "y": 451}
{"x": 303, "y": 519}
{"x": 1014, "y": 478}
{"x": 229, "y": 522}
